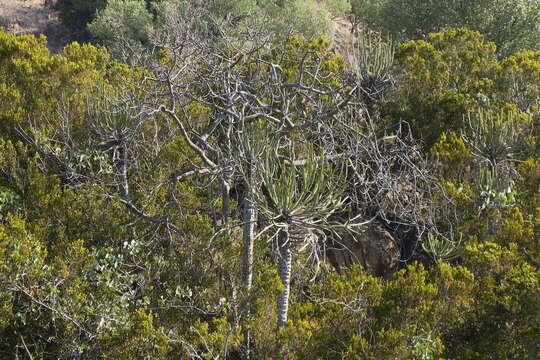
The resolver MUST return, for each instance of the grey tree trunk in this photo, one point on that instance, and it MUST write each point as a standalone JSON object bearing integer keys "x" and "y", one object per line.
{"x": 226, "y": 201}
{"x": 249, "y": 219}
{"x": 122, "y": 168}
{"x": 285, "y": 265}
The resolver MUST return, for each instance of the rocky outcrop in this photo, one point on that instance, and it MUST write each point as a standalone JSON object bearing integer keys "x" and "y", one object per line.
{"x": 371, "y": 246}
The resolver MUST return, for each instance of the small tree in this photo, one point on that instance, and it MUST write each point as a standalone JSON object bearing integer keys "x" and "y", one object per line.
{"x": 363, "y": 12}
{"x": 494, "y": 139}
{"x": 122, "y": 25}
{"x": 297, "y": 203}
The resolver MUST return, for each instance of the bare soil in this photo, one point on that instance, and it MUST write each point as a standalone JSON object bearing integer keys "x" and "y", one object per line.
{"x": 34, "y": 17}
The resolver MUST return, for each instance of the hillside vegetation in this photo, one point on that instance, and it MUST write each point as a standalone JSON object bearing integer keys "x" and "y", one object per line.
{"x": 272, "y": 179}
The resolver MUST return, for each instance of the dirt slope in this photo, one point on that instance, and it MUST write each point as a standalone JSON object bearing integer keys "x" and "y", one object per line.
{"x": 34, "y": 17}
{"x": 342, "y": 39}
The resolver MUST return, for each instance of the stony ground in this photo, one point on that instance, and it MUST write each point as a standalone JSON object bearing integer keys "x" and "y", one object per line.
{"x": 34, "y": 17}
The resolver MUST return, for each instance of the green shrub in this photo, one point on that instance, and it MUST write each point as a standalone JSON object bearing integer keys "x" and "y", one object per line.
{"x": 511, "y": 24}
{"x": 122, "y": 25}
{"x": 443, "y": 78}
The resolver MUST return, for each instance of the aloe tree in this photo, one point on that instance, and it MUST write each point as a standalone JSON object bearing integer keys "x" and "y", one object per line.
{"x": 297, "y": 199}
{"x": 443, "y": 248}
{"x": 495, "y": 138}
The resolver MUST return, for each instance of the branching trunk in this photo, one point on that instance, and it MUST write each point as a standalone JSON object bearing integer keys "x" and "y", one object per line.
{"x": 285, "y": 266}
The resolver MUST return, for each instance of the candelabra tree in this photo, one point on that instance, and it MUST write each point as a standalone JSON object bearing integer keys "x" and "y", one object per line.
{"x": 296, "y": 202}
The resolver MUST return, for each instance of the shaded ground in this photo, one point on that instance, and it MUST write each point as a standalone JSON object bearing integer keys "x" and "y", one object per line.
{"x": 34, "y": 17}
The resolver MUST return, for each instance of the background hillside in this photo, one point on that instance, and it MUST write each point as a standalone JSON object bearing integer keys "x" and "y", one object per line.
{"x": 34, "y": 17}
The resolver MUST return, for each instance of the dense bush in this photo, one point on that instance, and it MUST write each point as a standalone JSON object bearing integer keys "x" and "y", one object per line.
{"x": 123, "y": 24}
{"x": 121, "y": 21}
{"x": 455, "y": 72}
{"x": 510, "y": 24}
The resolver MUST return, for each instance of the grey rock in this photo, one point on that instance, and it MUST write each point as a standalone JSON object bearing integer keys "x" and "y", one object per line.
{"x": 371, "y": 246}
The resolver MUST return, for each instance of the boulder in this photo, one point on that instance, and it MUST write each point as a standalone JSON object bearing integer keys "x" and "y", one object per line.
{"x": 371, "y": 246}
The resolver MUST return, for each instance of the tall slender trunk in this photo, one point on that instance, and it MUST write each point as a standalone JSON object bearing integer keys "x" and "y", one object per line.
{"x": 121, "y": 168}
{"x": 226, "y": 201}
{"x": 285, "y": 266}
{"x": 249, "y": 219}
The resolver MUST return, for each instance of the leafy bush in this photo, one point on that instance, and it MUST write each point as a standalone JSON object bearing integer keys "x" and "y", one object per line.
{"x": 122, "y": 24}
{"x": 309, "y": 18}
{"x": 511, "y": 24}
{"x": 443, "y": 78}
